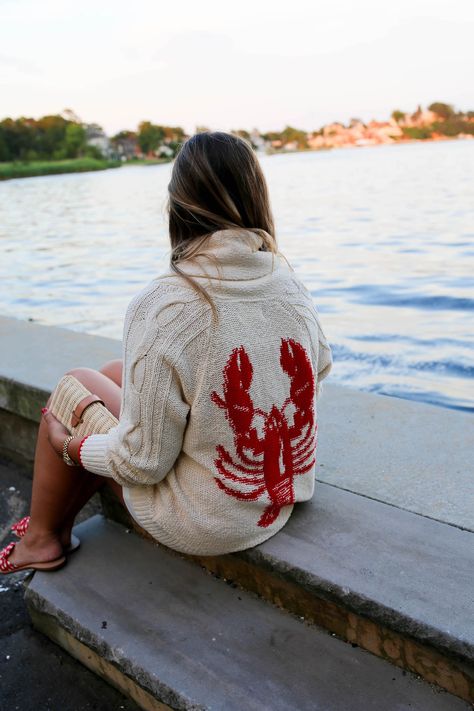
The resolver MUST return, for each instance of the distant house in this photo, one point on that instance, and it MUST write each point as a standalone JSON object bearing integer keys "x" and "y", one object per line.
{"x": 384, "y": 131}
{"x": 336, "y": 135}
{"x": 420, "y": 118}
{"x": 257, "y": 141}
{"x": 126, "y": 146}
{"x": 164, "y": 151}
{"x": 95, "y": 136}
{"x": 316, "y": 141}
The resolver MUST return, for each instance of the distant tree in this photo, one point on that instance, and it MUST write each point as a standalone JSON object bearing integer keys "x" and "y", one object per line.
{"x": 121, "y": 135}
{"x": 242, "y": 133}
{"x": 71, "y": 116}
{"x": 93, "y": 152}
{"x": 454, "y": 126}
{"x": 4, "y": 149}
{"x": 15, "y": 139}
{"x": 417, "y": 133}
{"x": 291, "y": 134}
{"x": 50, "y": 136}
{"x": 398, "y": 115}
{"x": 202, "y": 129}
{"x": 150, "y": 137}
{"x": 271, "y": 136}
{"x": 74, "y": 140}
{"x": 173, "y": 133}
{"x": 444, "y": 111}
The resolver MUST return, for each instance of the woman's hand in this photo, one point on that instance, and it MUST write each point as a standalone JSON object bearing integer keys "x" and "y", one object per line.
{"x": 57, "y": 433}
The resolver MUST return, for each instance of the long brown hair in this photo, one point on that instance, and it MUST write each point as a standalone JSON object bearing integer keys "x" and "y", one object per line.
{"x": 216, "y": 184}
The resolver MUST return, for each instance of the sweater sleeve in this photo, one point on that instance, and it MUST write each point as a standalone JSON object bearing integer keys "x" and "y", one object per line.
{"x": 145, "y": 444}
{"x": 324, "y": 354}
{"x": 321, "y": 350}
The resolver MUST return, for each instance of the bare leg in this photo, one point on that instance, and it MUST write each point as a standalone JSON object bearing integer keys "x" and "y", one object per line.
{"x": 59, "y": 491}
{"x": 90, "y": 484}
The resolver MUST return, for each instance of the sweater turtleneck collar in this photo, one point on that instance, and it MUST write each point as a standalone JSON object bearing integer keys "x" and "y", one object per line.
{"x": 233, "y": 238}
{"x": 238, "y": 257}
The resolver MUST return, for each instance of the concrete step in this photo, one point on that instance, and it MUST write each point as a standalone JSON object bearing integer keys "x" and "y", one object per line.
{"x": 171, "y": 636}
{"x": 395, "y": 583}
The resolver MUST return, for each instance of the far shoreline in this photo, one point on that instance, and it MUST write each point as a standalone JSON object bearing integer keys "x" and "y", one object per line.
{"x": 407, "y": 142}
{"x": 35, "y": 169}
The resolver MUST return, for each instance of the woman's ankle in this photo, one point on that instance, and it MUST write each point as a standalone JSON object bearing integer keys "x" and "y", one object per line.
{"x": 65, "y": 536}
{"x": 40, "y": 538}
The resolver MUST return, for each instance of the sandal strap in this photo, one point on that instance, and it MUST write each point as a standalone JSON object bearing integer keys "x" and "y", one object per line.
{"x": 21, "y": 526}
{"x": 5, "y": 565}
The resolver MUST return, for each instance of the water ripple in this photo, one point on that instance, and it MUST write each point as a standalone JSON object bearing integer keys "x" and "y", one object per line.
{"x": 381, "y": 296}
{"x": 382, "y": 238}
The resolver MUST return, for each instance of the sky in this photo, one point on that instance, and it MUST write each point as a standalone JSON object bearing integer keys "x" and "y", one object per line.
{"x": 226, "y": 66}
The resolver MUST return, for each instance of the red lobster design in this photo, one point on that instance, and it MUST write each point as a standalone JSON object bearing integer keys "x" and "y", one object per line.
{"x": 267, "y": 463}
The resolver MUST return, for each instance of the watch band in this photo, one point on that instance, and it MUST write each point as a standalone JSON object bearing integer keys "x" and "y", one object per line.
{"x": 66, "y": 456}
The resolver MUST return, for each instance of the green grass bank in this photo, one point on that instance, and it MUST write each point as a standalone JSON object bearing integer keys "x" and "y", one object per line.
{"x": 35, "y": 168}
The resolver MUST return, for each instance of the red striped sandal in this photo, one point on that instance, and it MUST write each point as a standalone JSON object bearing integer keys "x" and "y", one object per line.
{"x": 6, "y": 566}
{"x": 20, "y": 528}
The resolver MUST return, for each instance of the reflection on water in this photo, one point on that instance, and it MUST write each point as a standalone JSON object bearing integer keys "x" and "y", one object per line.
{"x": 382, "y": 237}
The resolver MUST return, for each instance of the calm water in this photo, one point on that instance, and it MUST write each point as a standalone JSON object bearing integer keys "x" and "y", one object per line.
{"x": 383, "y": 238}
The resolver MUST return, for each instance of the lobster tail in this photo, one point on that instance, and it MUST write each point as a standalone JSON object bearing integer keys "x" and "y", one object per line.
{"x": 269, "y": 515}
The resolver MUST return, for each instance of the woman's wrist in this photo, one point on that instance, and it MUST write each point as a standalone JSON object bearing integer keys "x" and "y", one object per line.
{"x": 73, "y": 450}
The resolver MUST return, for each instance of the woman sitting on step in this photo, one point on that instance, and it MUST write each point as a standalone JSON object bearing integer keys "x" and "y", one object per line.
{"x": 222, "y": 359}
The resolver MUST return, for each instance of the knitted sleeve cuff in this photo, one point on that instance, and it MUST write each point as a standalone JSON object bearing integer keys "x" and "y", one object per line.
{"x": 93, "y": 454}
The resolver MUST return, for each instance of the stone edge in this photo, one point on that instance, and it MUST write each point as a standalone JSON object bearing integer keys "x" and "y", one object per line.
{"x": 101, "y": 658}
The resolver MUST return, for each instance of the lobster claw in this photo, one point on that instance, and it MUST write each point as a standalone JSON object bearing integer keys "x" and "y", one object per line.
{"x": 236, "y": 399}
{"x": 296, "y": 364}
{"x": 239, "y": 369}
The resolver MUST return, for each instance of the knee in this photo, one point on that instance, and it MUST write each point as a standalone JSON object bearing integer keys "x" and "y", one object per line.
{"x": 84, "y": 375}
{"x": 113, "y": 370}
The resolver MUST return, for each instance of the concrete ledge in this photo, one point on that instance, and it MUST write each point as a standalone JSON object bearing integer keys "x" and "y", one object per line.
{"x": 18, "y": 439}
{"x": 36, "y": 355}
{"x": 32, "y": 359}
{"x": 192, "y": 642}
{"x": 414, "y": 456}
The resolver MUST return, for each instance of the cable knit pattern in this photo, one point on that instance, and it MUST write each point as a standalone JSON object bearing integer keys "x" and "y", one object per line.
{"x": 217, "y": 431}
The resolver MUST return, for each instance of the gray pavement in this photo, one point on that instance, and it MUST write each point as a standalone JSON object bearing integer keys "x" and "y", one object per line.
{"x": 35, "y": 674}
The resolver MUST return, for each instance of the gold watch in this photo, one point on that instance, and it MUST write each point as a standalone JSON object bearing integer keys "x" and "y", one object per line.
{"x": 66, "y": 456}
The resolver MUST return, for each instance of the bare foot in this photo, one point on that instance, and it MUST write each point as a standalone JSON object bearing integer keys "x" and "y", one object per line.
{"x": 37, "y": 549}
{"x": 64, "y": 535}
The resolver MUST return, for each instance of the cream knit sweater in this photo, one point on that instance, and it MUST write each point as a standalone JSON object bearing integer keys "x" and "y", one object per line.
{"x": 217, "y": 433}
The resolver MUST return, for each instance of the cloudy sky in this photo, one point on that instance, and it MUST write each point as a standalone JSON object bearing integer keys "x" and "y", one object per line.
{"x": 233, "y": 65}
